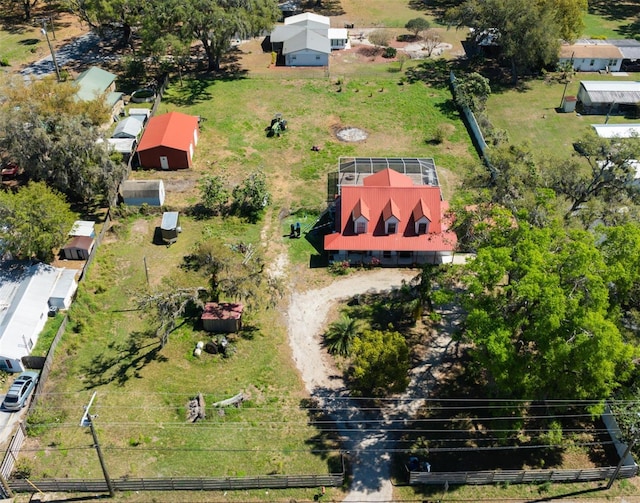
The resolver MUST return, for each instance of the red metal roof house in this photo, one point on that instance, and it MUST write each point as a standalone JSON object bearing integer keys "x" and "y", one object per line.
{"x": 169, "y": 141}
{"x": 390, "y": 220}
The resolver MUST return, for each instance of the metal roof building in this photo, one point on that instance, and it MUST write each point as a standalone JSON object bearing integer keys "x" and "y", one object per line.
{"x": 600, "y": 96}
{"x": 128, "y": 128}
{"x": 25, "y": 290}
{"x": 617, "y": 130}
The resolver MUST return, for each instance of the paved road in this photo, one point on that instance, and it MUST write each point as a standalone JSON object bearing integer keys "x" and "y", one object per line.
{"x": 8, "y": 423}
{"x": 86, "y": 49}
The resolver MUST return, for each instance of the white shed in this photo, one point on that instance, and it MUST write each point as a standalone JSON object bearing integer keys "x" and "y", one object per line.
{"x": 83, "y": 228}
{"x": 64, "y": 290}
{"x": 128, "y": 128}
{"x": 139, "y": 192}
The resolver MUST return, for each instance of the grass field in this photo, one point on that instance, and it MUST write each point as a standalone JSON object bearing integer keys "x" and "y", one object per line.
{"x": 529, "y": 115}
{"x": 142, "y": 390}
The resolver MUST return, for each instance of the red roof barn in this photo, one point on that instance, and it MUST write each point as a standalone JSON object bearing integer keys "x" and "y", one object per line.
{"x": 169, "y": 141}
{"x": 390, "y": 220}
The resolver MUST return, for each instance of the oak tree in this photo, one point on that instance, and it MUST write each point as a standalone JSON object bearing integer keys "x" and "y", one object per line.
{"x": 35, "y": 221}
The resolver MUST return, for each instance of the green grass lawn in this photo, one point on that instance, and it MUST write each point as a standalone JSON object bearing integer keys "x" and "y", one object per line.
{"x": 142, "y": 390}
{"x": 529, "y": 115}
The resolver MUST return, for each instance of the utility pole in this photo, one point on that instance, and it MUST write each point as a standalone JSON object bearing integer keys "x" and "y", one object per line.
{"x": 53, "y": 53}
{"x": 87, "y": 420}
{"x": 630, "y": 445}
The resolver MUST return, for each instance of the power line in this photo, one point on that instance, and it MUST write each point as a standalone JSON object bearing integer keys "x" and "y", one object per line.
{"x": 314, "y": 451}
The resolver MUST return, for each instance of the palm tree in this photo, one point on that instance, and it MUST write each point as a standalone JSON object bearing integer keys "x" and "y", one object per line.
{"x": 339, "y": 337}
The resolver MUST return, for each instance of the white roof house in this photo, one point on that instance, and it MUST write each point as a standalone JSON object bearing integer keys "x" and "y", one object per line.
{"x": 307, "y": 40}
{"x": 24, "y": 295}
{"x": 309, "y": 20}
{"x": 617, "y": 130}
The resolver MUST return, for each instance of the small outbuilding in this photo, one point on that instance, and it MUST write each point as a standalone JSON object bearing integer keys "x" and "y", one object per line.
{"x": 222, "y": 317}
{"x": 142, "y": 114}
{"x": 83, "y": 228}
{"x": 79, "y": 248}
{"x": 139, "y": 192}
{"x": 170, "y": 226}
{"x": 617, "y": 130}
{"x": 169, "y": 141}
{"x": 64, "y": 290}
{"x": 608, "y": 96}
{"x": 130, "y": 128}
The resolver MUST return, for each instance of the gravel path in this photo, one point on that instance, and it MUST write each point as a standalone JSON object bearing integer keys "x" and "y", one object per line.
{"x": 307, "y": 315}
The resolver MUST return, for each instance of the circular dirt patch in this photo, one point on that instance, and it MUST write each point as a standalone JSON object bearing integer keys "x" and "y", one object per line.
{"x": 351, "y": 134}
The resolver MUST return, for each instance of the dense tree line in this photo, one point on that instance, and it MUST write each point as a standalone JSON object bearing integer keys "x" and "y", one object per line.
{"x": 52, "y": 136}
{"x": 552, "y": 297}
{"x": 172, "y": 26}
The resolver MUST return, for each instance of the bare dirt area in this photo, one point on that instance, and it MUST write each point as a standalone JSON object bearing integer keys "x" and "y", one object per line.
{"x": 308, "y": 315}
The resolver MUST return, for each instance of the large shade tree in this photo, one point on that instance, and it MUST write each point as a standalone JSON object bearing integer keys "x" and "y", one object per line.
{"x": 35, "y": 221}
{"x": 538, "y": 316}
{"x": 526, "y": 33}
{"x": 52, "y": 136}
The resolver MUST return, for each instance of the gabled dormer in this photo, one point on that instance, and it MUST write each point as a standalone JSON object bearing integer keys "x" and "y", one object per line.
{"x": 421, "y": 217}
{"x": 391, "y": 217}
{"x": 360, "y": 216}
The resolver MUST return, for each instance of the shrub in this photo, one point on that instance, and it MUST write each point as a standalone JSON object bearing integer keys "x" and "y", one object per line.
{"x": 379, "y": 37}
{"x": 389, "y": 52}
{"x": 439, "y": 134}
{"x": 4, "y": 61}
{"x": 380, "y": 363}
{"x": 340, "y": 268}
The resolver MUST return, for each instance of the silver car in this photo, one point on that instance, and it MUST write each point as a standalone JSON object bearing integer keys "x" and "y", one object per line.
{"x": 20, "y": 390}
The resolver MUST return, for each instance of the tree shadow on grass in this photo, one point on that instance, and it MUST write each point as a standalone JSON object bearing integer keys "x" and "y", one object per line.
{"x": 326, "y": 442}
{"x": 190, "y": 92}
{"x": 433, "y": 72}
{"x": 123, "y": 361}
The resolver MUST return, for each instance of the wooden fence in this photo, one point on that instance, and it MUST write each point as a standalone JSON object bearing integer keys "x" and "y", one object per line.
{"x": 519, "y": 476}
{"x": 12, "y": 453}
{"x": 176, "y": 484}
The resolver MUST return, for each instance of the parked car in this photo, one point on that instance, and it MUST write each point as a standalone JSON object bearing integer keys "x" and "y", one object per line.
{"x": 20, "y": 391}
{"x": 10, "y": 170}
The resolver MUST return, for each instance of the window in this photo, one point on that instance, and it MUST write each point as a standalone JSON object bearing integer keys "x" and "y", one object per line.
{"x": 422, "y": 228}
{"x": 405, "y": 254}
{"x": 613, "y": 62}
{"x": 317, "y": 57}
{"x": 593, "y": 62}
{"x": 391, "y": 228}
{"x": 386, "y": 254}
{"x": 8, "y": 364}
{"x": 361, "y": 227}
{"x": 293, "y": 58}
